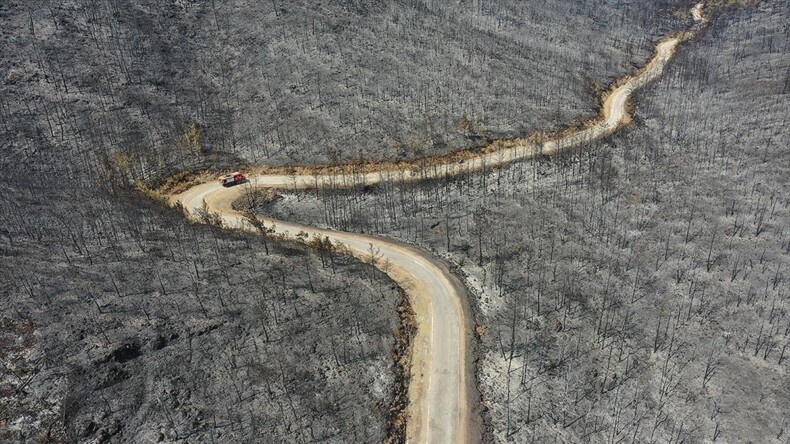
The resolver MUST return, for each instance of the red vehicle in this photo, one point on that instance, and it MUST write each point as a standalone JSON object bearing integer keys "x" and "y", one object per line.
{"x": 231, "y": 179}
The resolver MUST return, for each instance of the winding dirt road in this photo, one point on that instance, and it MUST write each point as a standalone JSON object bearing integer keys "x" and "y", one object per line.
{"x": 444, "y": 404}
{"x": 442, "y": 392}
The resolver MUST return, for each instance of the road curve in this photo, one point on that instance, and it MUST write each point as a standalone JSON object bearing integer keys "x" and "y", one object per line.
{"x": 444, "y": 404}
{"x": 443, "y": 396}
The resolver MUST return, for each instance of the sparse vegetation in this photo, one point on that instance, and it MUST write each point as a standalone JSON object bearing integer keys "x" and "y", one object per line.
{"x": 631, "y": 290}
{"x": 124, "y": 323}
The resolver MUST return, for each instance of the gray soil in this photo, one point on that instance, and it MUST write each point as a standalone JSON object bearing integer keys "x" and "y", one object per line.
{"x": 302, "y": 82}
{"x": 634, "y": 289}
{"x": 611, "y": 278}
{"x": 123, "y": 323}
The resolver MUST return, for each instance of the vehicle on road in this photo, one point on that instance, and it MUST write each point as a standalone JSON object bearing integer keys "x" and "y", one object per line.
{"x": 231, "y": 179}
